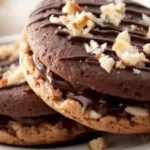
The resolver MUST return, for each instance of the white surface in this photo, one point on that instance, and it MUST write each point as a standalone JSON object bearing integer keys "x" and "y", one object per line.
{"x": 10, "y": 25}
{"x": 145, "y": 3}
{"x": 14, "y": 14}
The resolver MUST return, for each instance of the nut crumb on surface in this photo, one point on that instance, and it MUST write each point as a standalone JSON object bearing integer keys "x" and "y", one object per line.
{"x": 107, "y": 63}
{"x": 95, "y": 48}
{"x": 95, "y": 115}
{"x": 113, "y": 13}
{"x": 146, "y": 19}
{"x": 98, "y": 144}
{"x": 137, "y": 71}
{"x": 128, "y": 53}
{"x": 137, "y": 111}
{"x": 71, "y": 7}
{"x": 120, "y": 65}
{"x": 146, "y": 48}
{"x": 133, "y": 27}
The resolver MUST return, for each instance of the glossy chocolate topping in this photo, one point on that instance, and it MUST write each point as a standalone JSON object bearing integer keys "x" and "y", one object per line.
{"x": 102, "y": 103}
{"x": 66, "y": 56}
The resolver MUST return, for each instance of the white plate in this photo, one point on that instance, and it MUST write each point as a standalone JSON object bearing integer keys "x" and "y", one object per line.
{"x": 13, "y": 23}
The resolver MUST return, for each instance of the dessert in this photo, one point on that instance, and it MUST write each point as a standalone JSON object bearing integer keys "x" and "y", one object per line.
{"x": 89, "y": 60}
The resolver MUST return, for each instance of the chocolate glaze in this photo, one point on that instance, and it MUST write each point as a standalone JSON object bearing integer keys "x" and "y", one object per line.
{"x": 102, "y": 103}
{"x": 33, "y": 121}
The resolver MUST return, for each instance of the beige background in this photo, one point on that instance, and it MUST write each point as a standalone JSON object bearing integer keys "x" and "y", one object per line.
{"x": 14, "y": 14}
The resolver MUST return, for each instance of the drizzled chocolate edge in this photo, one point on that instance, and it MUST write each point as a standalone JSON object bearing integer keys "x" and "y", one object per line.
{"x": 89, "y": 99}
{"x": 34, "y": 121}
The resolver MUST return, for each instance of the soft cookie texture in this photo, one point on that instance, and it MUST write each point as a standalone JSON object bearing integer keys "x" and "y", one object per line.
{"x": 24, "y": 118}
{"x": 73, "y": 109}
{"x": 43, "y": 134}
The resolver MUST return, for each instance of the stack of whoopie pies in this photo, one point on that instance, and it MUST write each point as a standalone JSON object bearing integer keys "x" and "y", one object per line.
{"x": 88, "y": 60}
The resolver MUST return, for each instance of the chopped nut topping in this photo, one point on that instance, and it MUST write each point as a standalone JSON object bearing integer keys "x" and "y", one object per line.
{"x": 146, "y": 48}
{"x": 71, "y": 7}
{"x": 132, "y": 59}
{"x": 95, "y": 115}
{"x": 77, "y": 21}
{"x": 107, "y": 63}
{"x": 80, "y": 22}
{"x": 126, "y": 52}
{"x": 53, "y": 19}
{"x": 125, "y": 36}
{"x": 113, "y": 13}
{"x": 120, "y": 65}
{"x": 146, "y": 19}
{"x": 95, "y": 48}
{"x": 137, "y": 111}
{"x": 98, "y": 144}
{"x": 121, "y": 46}
{"x": 133, "y": 27}
{"x": 137, "y": 71}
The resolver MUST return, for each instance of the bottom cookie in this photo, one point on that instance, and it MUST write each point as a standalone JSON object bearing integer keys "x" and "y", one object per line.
{"x": 45, "y": 133}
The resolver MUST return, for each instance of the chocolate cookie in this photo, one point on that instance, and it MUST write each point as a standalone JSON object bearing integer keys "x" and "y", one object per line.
{"x": 24, "y": 118}
{"x": 91, "y": 56}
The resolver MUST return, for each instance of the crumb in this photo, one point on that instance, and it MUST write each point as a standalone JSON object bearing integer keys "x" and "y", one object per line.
{"x": 146, "y": 19}
{"x": 98, "y": 144}
{"x": 145, "y": 138}
{"x": 107, "y": 63}
{"x": 137, "y": 111}
{"x": 95, "y": 115}
{"x": 113, "y": 13}
{"x": 137, "y": 71}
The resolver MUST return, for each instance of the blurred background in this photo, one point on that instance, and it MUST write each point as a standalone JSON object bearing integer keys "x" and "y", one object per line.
{"x": 14, "y": 15}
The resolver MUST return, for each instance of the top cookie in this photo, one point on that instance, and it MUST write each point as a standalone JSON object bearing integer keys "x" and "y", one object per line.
{"x": 69, "y": 50}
